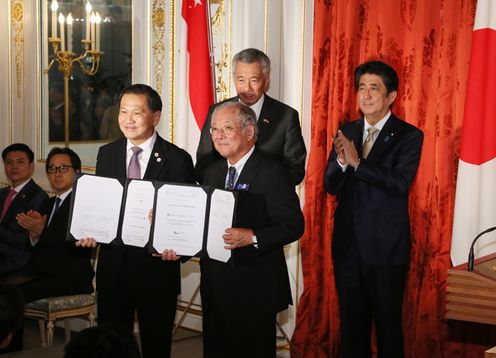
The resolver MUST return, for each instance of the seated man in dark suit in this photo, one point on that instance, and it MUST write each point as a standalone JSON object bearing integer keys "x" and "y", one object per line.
{"x": 279, "y": 132}
{"x": 241, "y": 298}
{"x": 58, "y": 268}
{"x": 23, "y": 195}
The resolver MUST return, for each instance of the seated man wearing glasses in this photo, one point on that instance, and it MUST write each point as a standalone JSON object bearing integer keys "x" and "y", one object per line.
{"x": 58, "y": 267}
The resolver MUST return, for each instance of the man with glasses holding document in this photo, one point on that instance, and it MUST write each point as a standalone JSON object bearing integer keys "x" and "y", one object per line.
{"x": 241, "y": 297}
{"x": 129, "y": 279}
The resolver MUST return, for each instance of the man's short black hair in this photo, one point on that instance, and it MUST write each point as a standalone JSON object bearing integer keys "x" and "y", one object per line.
{"x": 381, "y": 69}
{"x": 153, "y": 98}
{"x": 102, "y": 342}
{"x": 11, "y": 310}
{"x": 18, "y": 147}
{"x": 74, "y": 158}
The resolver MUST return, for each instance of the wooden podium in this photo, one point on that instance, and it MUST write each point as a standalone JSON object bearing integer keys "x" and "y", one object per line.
{"x": 471, "y": 296}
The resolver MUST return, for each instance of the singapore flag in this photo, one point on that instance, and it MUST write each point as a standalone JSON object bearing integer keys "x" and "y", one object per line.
{"x": 195, "y": 89}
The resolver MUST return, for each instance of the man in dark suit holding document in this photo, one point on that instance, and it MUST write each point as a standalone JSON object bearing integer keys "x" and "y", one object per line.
{"x": 129, "y": 278}
{"x": 242, "y": 297}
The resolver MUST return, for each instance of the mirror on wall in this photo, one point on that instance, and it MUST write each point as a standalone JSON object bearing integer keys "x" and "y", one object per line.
{"x": 96, "y": 37}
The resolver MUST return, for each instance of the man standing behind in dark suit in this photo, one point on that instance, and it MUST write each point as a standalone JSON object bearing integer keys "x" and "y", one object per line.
{"x": 371, "y": 239}
{"x": 241, "y": 298}
{"x": 279, "y": 132}
{"x": 58, "y": 268}
{"x": 23, "y": 195}
{"x": 129, "y": 279}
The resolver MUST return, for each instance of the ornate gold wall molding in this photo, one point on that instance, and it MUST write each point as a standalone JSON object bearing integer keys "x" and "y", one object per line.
{"x": 221, "y": 86}
{"x": 172, "y": 66}
{"x": 158, "y": 31}
{"x": 17, "y": 18}
{"x": 222, "y": 47}
{"x": 217, "y": 24}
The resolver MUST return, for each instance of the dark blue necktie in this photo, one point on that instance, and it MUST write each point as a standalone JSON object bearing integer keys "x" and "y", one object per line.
{"x": 231, "y": 174}
{"x": 56, "y": 208}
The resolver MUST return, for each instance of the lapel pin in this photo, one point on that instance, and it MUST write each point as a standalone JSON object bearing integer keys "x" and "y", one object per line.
{"x": 266, "y": 120}
{"x": 386, "y": 139}
{"x": 159, "y": 159}
{"x": 155, "y": 154}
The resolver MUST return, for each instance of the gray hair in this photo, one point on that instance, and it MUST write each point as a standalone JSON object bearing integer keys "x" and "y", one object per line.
{"x": 251, "y": 55}
{"x": 246, "y": 116}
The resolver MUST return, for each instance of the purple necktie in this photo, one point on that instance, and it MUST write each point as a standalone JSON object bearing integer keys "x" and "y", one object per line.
{"x": 8, "y": 201}
{"x": 134, "y": 170}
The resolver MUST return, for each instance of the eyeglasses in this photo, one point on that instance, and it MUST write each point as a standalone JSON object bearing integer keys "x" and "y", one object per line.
{"x": 61, "y": 169}
{"x": 227, "y": 130}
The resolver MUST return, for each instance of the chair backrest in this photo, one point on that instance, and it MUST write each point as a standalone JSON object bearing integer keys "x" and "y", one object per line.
{"x": 54, "y": 308}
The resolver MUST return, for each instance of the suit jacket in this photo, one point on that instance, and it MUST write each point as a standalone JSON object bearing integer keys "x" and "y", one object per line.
{"x": 14, "y": 247}
{"x": 279, "y": 137}
{"x": 255, "y": 280}
{"x": 373, "y": 200}
{"x": 55, "y": 257}
{"x": 175, "y": 165}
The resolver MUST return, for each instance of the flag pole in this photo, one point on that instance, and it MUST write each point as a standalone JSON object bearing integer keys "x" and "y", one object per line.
{"x": 211, "y": 51}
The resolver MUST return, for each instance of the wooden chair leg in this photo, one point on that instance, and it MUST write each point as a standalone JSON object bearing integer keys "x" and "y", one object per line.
{"x": 67, "y": 326}
{"x": 50, "y": 327}
{"x": 41, "y": 324}
{"x": 92, "y": 319}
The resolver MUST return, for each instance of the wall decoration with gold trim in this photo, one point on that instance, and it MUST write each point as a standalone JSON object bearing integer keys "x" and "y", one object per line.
{"x": 17, "y": 18}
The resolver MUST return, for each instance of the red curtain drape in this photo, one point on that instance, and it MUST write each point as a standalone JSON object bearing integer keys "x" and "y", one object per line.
{"x": 428, "y": 43}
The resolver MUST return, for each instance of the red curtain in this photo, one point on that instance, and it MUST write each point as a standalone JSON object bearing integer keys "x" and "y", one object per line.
{"x": 428, "y": 43}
